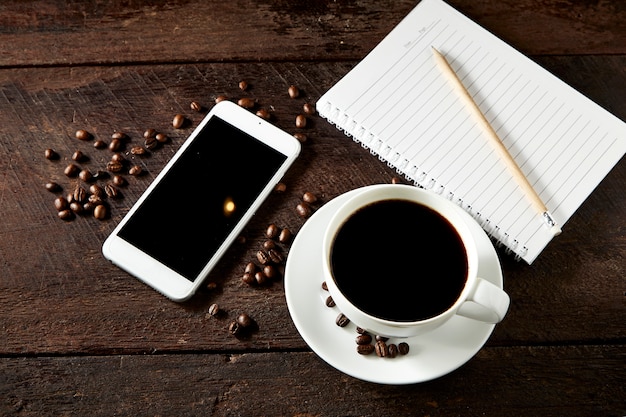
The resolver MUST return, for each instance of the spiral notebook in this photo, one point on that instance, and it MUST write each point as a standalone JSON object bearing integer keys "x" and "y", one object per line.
{"x": 397, "y": 103}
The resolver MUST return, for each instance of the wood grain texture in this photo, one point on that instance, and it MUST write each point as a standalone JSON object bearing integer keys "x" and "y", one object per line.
{"x": 81, "y": 337}
{"x": 53, "y": 269}
{"x": 580, "y": 381}
{"x": 86, "y": 33}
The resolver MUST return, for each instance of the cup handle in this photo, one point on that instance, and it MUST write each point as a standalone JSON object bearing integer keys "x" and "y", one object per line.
{"x": 487, "y": 302}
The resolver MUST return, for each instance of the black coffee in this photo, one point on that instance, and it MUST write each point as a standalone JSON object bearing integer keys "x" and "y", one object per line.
{"x": 399, "y": 260}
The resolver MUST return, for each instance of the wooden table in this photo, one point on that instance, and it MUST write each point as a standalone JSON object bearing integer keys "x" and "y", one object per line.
{"x": 80, "y": 337}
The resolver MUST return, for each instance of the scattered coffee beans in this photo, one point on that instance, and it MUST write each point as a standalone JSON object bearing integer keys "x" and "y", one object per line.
{"x": 293, "y": 91}
{"x": 53, "y": 187}
{"x": 309, "y": 109}
{"x": 302, "y": 138}
{"x": 100, "y": 212}
{"x": 303, "y": 209}
{"x": 272, "y": 231}
{"x": 178, "y": 121}
{"x": 135, "y": 170}
{"x": 284, "y": 236}
{"x": 300, "y": 121}
{"x": 365, "y": 349}
{"x": 51, "y": 154}
{"x": 82, "y": 134}
{"x": 342, "y": 320}
{"x": 195, "y": 106}
{"x": 214, "y": 310}
{"x": 246, "y": 103}
{"x": 381, "y": 349}
{"x": 309, "y": 198}
{"x": 71, "y": 170}
{"x": 66, "y": 214}
{"x": 244, "y": 320}
{"x": 330, "y": 302}
{"x": 99, "y": 144}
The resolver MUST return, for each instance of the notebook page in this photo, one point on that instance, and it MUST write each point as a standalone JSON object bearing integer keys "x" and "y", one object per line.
{"x": 398, "y": 103}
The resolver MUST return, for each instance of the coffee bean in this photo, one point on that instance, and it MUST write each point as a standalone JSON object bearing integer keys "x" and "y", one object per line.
{"x": 245, "y": 320}
{"x": 269, "y": 244}
{"x": 100, "y": 212}
{"x": 381, "y": 349}
{"x": 214, "y": 310}
{"x": 342, "y": 320}
{"x": 300, "y": 121}
{"x": 53, "y": 187}
{"x": 85, "y": 175}
{"x": 79, "y": 156}
{"x": 393, "y": 350}
{"x": 260, "y": 277}
{"x": 115, "y": 145}
{"x": 118, "y": 157}
{"x": 275, "y": 256}
{"x": 82, "y": 134}
{"x": 263, "y": 114}
{"x": 99, "y": 144}
{"x": 272, "y": 231}
{"x": 195, "y": 106}
{"x": 66, "y": 215}
{"x": 361, "y": 330}
{"x": 284, "y": 236}
{"x": 234, "y": 328}
{"x": 281, "y": 187}
{"x": 51, "y": 154}
{"x": 365, "y": 349}
{"x": 246, "y": 102}
{"x": 330, "y": 302}
{"x": 138, "y": 150}
{"x": 96, "y": 190}
{"x": 220, "y": 98}
{"x": 395, "y": 180}
{"x": 301, "y": 137}
{"x": 308, "y": 108}
{"x": 135, "y": 170}
{"x": 80, "y": 194}
{"x": 76, "y": 207}
{"x": 119, "y": 180}
{"x": 71, "y": 170}
{"x": 263, "y": 257}
{"x": 119, "y": 136}
{"x": 364, "y": 339}
{"x": 88, "y": 207}
{"x": 381, "y": 338}
{"x": 151, "y": 143}
{"x": 270, "y": 271}
{"x": 95, "y": 200}
{"x": 324, "y": 286}
{"x": 111, "y": 191}
{"x": 114, "y": 166}
{"x": 243, "y": 85}
{"x": 309, "y": 198}
{"x": 293, "y": 91}
{"x": 250, "y": 268}
{"x": 403, "y": 348}
{"x": 178, "y": 121}
{"x": 303, "y": 210}
{"x": 60, "y": 203}
{"x": 161, "y": 138}
{"x": 248, "y": 278}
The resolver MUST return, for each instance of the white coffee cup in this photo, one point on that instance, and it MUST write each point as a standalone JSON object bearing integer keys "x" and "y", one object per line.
{"x": 478, "y": 299}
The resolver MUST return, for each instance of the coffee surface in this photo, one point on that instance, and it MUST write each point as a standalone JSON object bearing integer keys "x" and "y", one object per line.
{"x": 399, "y": 260}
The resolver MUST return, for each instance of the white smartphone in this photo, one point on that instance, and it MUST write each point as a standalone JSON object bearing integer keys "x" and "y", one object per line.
{"x": 183, "y": 223}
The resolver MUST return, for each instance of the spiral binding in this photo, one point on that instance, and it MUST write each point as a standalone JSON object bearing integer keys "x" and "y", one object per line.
{"x": 413, "y": 174}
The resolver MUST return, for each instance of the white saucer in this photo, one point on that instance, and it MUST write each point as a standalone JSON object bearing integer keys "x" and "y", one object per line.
{"x": 431, "y": 356}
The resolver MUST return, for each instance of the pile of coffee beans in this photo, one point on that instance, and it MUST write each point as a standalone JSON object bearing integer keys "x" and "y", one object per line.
{"x": 366, "y": 344}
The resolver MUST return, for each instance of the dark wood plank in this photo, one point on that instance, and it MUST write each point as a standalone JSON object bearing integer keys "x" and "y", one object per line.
{"x": 58, "y": 295}
{"x": 525, "y": 381}
{"x": 84, "y": 33}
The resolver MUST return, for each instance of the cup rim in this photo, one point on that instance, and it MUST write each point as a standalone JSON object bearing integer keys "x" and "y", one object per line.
{"x": 364, "y": 198}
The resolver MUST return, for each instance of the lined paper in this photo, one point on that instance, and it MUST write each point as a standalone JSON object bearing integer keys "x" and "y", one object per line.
{"x": 398, "y": 104}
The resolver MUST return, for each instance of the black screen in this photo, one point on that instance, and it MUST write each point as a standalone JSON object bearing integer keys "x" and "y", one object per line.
{"x": 202, "y": 197}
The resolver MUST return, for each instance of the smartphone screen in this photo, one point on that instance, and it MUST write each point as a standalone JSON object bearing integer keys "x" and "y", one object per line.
{"x": 199, "y": 201}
